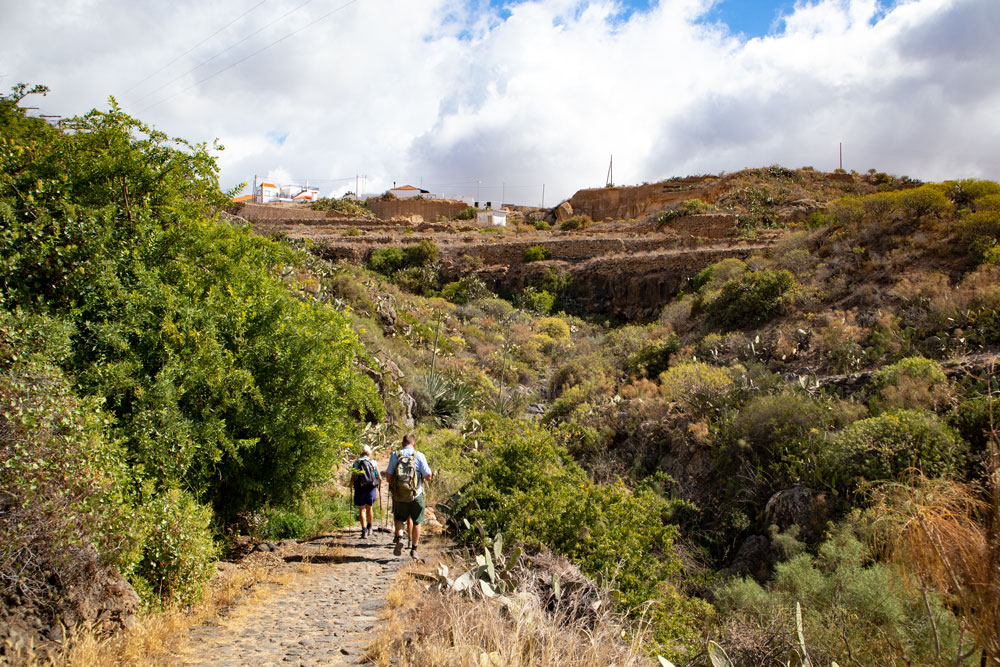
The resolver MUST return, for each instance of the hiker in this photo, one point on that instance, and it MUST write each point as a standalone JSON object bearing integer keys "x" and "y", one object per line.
{"x": 366, "y": 482}
{"x": 406, "y": 472}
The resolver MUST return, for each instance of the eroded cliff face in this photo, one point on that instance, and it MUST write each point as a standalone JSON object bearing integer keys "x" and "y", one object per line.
{"x": 640, "y": 201}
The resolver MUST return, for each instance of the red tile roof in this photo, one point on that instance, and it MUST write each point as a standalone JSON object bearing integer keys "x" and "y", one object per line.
{"x": 243, "y": 198}
{"x": 406, "y": 187}
{"x": 268, "y": 185}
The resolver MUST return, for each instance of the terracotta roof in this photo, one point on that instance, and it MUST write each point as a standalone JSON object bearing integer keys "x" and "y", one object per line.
{"x": 406, "y": 187}
{"x": 243, "y": 198}
{"x": 305, "y": 194}
{"x": 268, "y": 185}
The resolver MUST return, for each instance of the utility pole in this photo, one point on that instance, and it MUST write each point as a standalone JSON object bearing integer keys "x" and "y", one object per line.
{"x": 503, "y": 193}
{"x": 611, "y": 173}
{"x": 842, "y": 156}
{"x": 543, "y": 196}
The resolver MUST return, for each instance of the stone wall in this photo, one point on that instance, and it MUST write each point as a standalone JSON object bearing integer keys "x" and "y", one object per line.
{"x": 428, "y": 209}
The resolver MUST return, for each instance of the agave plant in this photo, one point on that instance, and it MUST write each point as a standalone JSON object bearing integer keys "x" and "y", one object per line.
{"x": 491, "y": 577}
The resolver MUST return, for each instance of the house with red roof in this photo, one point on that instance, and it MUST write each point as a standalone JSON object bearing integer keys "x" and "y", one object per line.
{"x": 407, "y": 191}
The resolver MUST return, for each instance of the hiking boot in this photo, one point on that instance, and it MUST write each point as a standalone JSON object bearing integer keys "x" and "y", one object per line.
{"x": 413, "y": 553}
{"x": 397, "y": 546}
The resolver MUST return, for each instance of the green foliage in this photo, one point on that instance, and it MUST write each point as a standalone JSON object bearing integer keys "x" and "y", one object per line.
{"x": 468, "y": 213}
{"x": 464, "y": 290}
{"x": 700, "y": 388}
{"x": 913, "y": 382}
{"x": 654, "y": 358}
{"x": 319, "y": 510}
{"x": 965, "y": 193}
{"x": 750, "y": 300}
{"x": 542, "y": 225}
{"x": 851, "y": 607}
{"x": 884, "y": 447}
{"x": 537, "y": 253}
{"x": 528, "y": 488}
{"x": 63, "y": 487}
{"x": 553, "y": 327}
{"x": 535, "y": 300}
{"x": 220, "y": 372}
{"x": 440, "y": 398}
{"x": 980, "y": 232}
{"x": 344, "y": 205}
{"x": 386, "y": 261}
{"x": 423, "y": 253}
{"x": 178, "y": 556}
{"x": 576, "y": 222}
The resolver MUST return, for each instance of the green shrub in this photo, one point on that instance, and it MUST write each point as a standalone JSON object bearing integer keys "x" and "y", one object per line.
{"x": 178, "y": 556}
{"x": 420, "y": 254}
{"x": 527, "y": 487}
{"x": 884, "y": 447}
{"x": 534, "y": 300}
{"x": 465, "y": 290}
{"x": 417, "y": 279}
{"x": 542, "y": 225}
{"x": 853, "y": 609}
{"x": 965, "y": 192}
{"x": 913, "y": 382}
{"x": 343, "y": 205}
{"x": 980, "y": 232}
{"x": 654, "y": 358}
{"x": 386, "y": 261}
{"x": 537, "y": 253}
{"x": 553, "y": 327}
{"x": 468, "y": 213}
{"x": 63, "y": 487}
{"x": 286, "y": 524}
{"x": 699, "y": 387}
{"x": 750, "y": 300}
{"x": 576, "y": 222}
{"x": 220, "y": 373}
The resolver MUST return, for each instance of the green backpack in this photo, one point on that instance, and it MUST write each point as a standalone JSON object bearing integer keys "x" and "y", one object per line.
{"x": 406, "y": 479}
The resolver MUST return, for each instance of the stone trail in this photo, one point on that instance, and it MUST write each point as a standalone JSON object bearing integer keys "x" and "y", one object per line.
{"x": 326, "y": 615}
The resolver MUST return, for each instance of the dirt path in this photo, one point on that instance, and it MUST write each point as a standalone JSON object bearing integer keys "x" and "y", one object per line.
{"x": 326, "y": 613}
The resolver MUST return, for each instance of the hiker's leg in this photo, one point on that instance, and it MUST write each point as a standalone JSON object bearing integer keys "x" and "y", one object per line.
{"x": 366, "y": 515}
{"x": 416, "y": 535}
{"x": 417, "y": 516}
{"x": 368, "y": 512}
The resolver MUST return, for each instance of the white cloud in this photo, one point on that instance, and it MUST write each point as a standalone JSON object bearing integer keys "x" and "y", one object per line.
{"x": 447, "y": 93}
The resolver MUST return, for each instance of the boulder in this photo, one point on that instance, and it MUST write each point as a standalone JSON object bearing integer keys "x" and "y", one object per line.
{"x": 800, "y": 506}
{"x": 563, "y": 211}
{"x": 756, "y": 558}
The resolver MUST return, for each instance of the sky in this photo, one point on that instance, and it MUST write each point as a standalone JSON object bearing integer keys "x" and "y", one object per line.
{"x": 528, "y": 101}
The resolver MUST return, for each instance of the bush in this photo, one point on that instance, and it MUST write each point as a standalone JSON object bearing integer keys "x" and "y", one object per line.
{"x": 576, "y": 222}
{"x": 343, "y": 205}
{"x": 979, "y": 232}
{"x": 63, "y": 490}
{"x": 750, "y": 300}
{"x": 423, "y": 253}
{"x": 465, "y": 290}
{"x": 527, "y": 487}
{"x": 542, "y": 225}
{"x": 468, "y": 213}
{"x": 537, "y": 253}
{"x": 178, "y": 556}
{"x": 853, "y": 609}
{"x": 913, "y": 382}
{"x": 884, "y": 447}
{"x": 654, "y": 358}
{"x": 534, "y": 300}
{"x": 417, "y": 279}
{"x": 553, "y": 327}
{"x": 699, "y": 387}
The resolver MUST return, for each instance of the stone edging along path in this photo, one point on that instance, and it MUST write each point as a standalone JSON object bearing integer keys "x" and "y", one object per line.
{"x": 326, "y": 614}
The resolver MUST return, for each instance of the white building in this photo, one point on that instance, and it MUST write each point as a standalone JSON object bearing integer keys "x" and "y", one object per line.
{"x": 268, "y": 192}
{"x": 492, "y": 218}
{"x": 407, "y": 191}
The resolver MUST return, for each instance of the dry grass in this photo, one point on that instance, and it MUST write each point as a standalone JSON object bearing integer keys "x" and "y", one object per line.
{"x": 424, "y": 629}
{"x": 946, "y": 535}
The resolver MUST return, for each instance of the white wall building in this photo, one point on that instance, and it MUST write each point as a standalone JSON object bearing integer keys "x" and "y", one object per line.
{"x": 492, "y": 218}
{"x": 407, "y": 191}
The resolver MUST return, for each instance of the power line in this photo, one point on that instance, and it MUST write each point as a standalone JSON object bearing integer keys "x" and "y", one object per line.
{"x": 205, "y": 62}
{"x": 260, "y": 50}
{"x": 144, "y": 80}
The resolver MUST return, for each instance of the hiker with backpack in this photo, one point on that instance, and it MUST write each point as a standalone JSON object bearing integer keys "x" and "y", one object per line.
{"x": 406, "y": 472}
{"x": 366, "y": 481}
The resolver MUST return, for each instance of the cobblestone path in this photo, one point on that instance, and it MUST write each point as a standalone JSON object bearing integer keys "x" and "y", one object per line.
{"x": 325, "y": 615}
